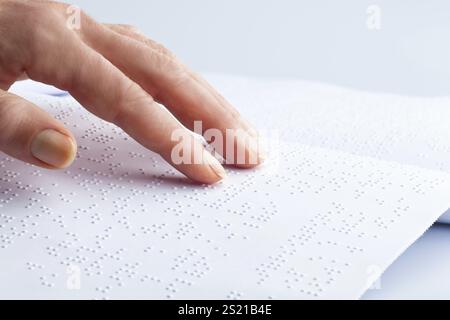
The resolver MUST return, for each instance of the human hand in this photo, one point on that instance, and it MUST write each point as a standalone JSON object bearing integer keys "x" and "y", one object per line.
{"x": 118, "y": 74}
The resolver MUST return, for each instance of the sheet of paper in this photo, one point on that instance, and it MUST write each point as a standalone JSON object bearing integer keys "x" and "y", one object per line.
{"x": 120, "y": 223}
{"x": 409, "y": 130}
{"x": 29, "y": 86}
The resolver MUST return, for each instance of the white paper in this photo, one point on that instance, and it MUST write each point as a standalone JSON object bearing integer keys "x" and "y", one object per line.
{"x": 120, "y": 223}
{"x": 408, "y": 130}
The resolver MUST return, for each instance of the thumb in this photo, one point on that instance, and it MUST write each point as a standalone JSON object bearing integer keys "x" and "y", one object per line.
{"x": 32, "y": 135}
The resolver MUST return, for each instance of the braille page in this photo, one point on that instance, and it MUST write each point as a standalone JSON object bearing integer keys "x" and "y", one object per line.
{"x": 120, "y": 223}
{"x": 409, "y": 130}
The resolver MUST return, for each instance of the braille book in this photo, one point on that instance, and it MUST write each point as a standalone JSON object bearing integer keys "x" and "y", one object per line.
{"x": 354, "y": 179}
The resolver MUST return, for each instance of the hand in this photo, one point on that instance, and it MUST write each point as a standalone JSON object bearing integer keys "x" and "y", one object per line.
{"x": 116, "y": 73}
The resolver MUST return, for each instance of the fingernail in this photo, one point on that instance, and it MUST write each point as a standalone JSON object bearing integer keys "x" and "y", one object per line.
{"x": 215, "y": 165}
{"x": 262, "y": 152}
{"x": 54, "y": 148}
{"x": 254, "y": 150}
{"x": 257, "y": 145}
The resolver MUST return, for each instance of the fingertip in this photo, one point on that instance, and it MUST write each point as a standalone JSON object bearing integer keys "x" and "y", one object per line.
{"x": 210, "y": 171}
{"x": 248, "y": 152}
{"x": 195, "y": 162}
{"x": 218, "y": 172}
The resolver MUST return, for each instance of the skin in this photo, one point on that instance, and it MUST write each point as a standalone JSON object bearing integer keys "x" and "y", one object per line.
{"x": 116, "y": 73}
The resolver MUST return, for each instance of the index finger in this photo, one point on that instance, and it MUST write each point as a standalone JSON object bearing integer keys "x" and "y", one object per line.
{"x": 190, "y": 98}
{"x": 64, "y": 61}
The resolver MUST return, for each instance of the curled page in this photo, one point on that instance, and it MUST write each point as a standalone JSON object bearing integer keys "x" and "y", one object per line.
{"x": 120, "y": 223}
{"x": 408, "y": 130}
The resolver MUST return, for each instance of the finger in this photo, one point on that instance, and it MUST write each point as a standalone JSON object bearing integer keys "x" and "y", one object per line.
{"x": 31, "y": 135}
{"x": 185, "y": 94}
{"x": 105, "y": 91}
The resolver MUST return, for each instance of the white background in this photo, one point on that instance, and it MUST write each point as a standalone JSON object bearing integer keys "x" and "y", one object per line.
{"x": 316, "y": 40}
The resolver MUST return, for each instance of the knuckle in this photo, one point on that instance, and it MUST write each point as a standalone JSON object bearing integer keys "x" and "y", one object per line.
{"x": 161, "y": 49}
{"x": 44, "y": 27}
{"x": 129, "y": 28}
{"x": 175, "y": 80}
{"x": 29, "y": 15}
{"x": 128, "y": 102}
{"x": 181, "y": 78}
{"x": 11, "y": 114}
